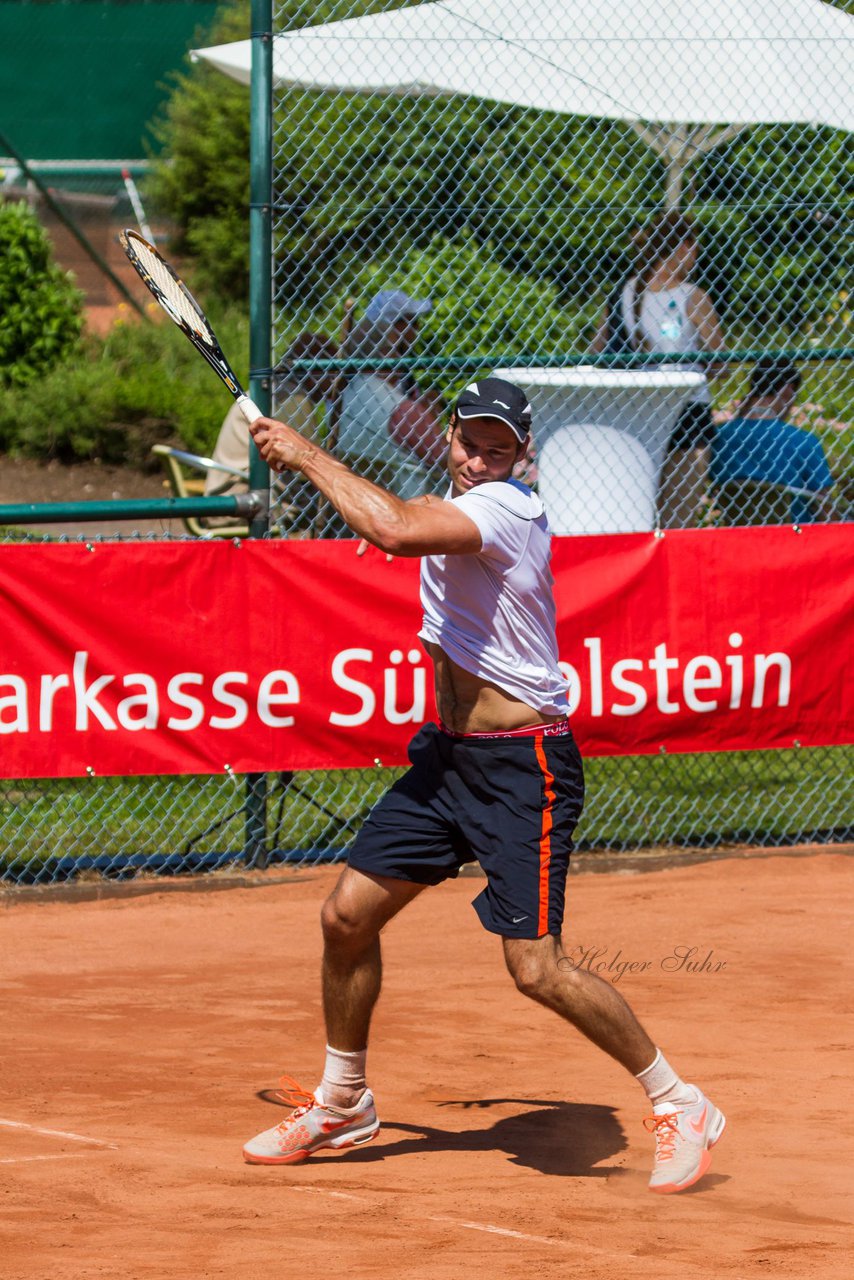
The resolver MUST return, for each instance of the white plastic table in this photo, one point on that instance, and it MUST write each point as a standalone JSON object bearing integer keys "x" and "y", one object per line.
{"x": 601, "y": 436}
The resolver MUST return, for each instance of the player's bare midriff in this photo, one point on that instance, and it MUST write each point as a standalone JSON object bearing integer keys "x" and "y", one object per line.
{"x": 469, "y": 704}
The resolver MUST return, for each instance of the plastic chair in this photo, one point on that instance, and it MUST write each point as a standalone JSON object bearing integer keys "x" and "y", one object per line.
{"x": 596, "y": 479}
{"x": 176, "y": 461}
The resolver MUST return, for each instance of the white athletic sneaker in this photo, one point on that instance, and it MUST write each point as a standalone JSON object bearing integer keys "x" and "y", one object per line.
{"x": 312, "y": 1126}
{"x": 683, "y": 1136}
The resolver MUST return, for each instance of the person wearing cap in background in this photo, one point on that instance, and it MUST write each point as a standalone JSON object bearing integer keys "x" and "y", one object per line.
{"x": 300, "y": 398}
{"x": 389, "y": 428}
{"x": 759, "y": 444}
{"x": 498, "y": 780}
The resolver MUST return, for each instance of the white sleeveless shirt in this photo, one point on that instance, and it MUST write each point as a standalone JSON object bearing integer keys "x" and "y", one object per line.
{"x": 665, "y": 327}
{"x": 493, "y": 613}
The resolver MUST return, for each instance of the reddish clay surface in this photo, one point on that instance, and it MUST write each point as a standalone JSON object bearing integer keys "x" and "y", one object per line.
{"x": 154, "y": 1028}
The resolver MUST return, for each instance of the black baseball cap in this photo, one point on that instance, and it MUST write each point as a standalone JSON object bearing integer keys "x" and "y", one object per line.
{"x": 495, "y": 398}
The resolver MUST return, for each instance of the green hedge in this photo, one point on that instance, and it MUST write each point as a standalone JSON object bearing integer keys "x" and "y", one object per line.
{"x": 40, "y": 309}
{"x": 141, "y": 384}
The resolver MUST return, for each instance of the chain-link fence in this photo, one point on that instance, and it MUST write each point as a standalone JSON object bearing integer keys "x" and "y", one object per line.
{"x": 81, "y": 88}
{"x": 59, "y": 830}
{"x": 644, "y": 212}
{"x": 464, "y": 188}
{"x": 55, "y": 830}
{"x": 539, "y": 186}
{"x": 83, "y": 205}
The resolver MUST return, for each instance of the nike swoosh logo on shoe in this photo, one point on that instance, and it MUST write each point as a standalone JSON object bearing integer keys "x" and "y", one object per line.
{"x": 697, "y": 1126}
{"x": 329, "y": 1126}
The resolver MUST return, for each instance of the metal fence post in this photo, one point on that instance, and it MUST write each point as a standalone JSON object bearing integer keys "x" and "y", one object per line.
{"x": 260, "y": 319}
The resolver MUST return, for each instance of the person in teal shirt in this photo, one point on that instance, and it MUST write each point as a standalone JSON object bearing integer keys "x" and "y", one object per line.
{"x": 760, "y": 444}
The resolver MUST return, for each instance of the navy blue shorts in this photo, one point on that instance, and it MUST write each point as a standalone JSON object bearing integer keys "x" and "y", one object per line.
{"x": 509, "y": 803}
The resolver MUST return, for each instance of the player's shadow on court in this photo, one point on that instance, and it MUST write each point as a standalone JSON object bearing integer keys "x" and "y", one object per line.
{"x": 565, "y": 1139}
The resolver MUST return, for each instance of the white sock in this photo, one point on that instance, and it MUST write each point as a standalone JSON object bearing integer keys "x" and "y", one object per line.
{"x": 662, "y": 1085}
{"x": 343, "y": 1074}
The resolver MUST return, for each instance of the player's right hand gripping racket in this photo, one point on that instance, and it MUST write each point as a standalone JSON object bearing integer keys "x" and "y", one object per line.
{"x": 180, "y": 305}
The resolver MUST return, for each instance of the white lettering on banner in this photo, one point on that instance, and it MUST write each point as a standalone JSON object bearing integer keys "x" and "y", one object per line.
{"x": 762, "y": 665}
{"x": 594, "y": 648}
{"x": 391, "y": 680}
{"x": 268, "y": 698}
{"x": 622, "y": 685}
{"x": 175, "y": 693}
{"x": 17, "y": 702}
{"x": 699, "y": 674}
{"x": 239, "y": 706}
{"x": 49, "y": 687}
{"x": 145, "y": 709}
{"x": 735, "y": 662}
{"x": 147, "y": 700}
{"x": 693, "y": 681}
{"x": 361, "y": 690}
{"x": 86, "y": 696}
{"x": 661, "y": 664}
{"x": 394, "y": 690}
{"x": 419, "y": 690}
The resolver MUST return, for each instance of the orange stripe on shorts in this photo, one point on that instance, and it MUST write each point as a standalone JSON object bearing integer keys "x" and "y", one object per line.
{"x": 545, "y": 838}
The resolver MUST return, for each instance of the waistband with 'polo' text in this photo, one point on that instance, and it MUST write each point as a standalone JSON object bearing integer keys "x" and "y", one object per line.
{"x": 559, "y": 729}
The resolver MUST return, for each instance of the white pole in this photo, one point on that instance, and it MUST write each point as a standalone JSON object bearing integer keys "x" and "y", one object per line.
{"x": 139, "y": 212}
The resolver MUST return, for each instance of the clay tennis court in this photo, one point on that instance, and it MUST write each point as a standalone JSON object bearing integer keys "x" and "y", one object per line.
{"x": 143, "y": 1037}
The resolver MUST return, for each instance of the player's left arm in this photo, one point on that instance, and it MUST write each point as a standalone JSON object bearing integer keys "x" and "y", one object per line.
{"x": 428, "y": 526}
{"x": 702, "y": 314}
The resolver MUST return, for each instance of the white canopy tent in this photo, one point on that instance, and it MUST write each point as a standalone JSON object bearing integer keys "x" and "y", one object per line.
{"x": 687, "y": 74}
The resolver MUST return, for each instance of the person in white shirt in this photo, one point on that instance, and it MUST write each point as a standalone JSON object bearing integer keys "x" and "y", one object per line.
{"x": 389, "y": 428}
{"x": 301, "y": 398}
{"x": 660, "y": 310}
{"x": 498, "y": 780}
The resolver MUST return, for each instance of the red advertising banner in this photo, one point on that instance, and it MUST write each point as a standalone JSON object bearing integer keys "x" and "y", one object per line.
{"x": 198, "y": 658}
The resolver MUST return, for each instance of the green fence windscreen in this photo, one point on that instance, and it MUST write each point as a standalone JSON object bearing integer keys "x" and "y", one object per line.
{"x": 83, "y": 80}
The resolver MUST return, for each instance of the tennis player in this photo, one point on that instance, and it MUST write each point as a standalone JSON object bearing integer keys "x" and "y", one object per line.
{"x": 498, "y": 780}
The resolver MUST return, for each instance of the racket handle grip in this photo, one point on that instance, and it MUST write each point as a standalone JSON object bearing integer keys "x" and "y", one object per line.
{"x": 250, "y": 409}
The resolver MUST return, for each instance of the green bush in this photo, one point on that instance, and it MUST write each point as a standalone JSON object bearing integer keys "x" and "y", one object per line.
{"x": 141, "y": 384}
{"x": 40, "y": 310}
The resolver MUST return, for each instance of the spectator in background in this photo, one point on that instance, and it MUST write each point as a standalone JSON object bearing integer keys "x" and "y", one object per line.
{"x": 300, "y": 399}
{"x": 658, "y": 309}
{"x": 759, "y": 444}
{"x": 389, "y": 429}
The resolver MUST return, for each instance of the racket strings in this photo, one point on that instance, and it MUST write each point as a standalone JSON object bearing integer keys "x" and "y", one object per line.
{"x": 172, "y": 292}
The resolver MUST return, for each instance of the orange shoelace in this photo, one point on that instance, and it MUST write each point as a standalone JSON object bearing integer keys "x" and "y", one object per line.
{"x": 293, "y": 1095}
{"x": 666, "y": 1130}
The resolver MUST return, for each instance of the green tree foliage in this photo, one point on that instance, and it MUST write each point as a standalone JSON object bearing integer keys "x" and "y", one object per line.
{"x": 776, "y": 207}
{"x": 200, "y": 178}
{"x": 40, "y": 310}
{"x": 200, "y": 175}
{"x": 478, "y": 307}
{"x": 367, "y": 179}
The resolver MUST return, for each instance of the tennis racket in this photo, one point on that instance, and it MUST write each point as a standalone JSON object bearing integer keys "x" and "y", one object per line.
{"x": 180, "y": 305}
